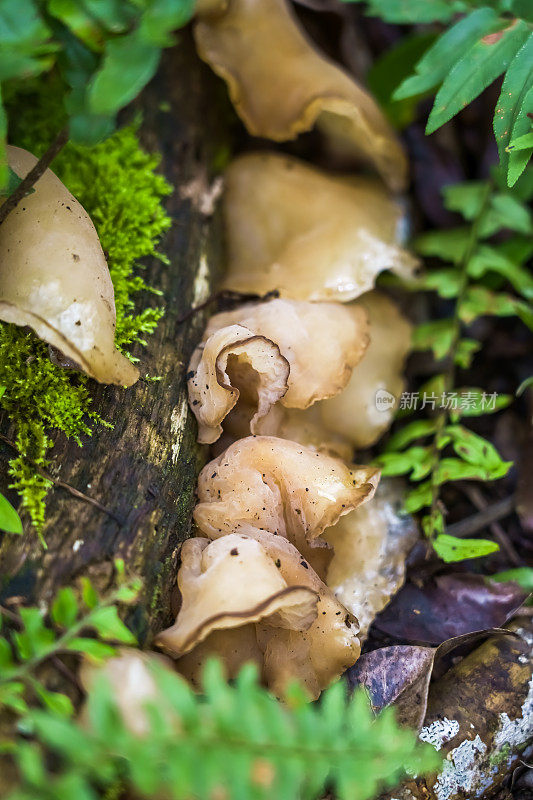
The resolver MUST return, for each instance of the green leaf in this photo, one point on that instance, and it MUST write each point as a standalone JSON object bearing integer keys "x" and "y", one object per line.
{"x": 72, "y": 14}
{"x": 526, "y": 384}
{"x": 524, "y": 142}
{"x": 465, "y": 351}
{"x": 12, "y": 696}
{"x": 523, "y": 576}
{"x": 505, "y": 211}
{"x": 479, "y": 301}
{"x": 25, "y": 47}
{"x": 466, "y": 198}
{"x": 412, "y": 11}
{"x": 129, "y": 63}
{"x": 57, "y": 702}
{"x": 448, "y": 245}
{"x": 65, "y": 608}
{"x": 96, "y": 651}
{"x": 451, "y": 549}
{"x": 436, "y": 336}
{"x": 518, "y": 158}
{"x": 418, "y": 498}
{"x": 490, "y": 259}
{"x": 414, "y": 430}
{"x": 109, "y": 626}
{"x": 476, "y": 402}
{"x": 161, "y": 17}
{"x": 476, "y": 69}
{"x": 433, "y": 524}
{"x": 446, "y": 282}
{"x": 9, "y": 519}
{"x": 449, "y": 48}
{"x": 416, "y": 460}
{"x": 476, "y": 450}
{"x": 509, "y": 108}
{"x": 88, "y": 593}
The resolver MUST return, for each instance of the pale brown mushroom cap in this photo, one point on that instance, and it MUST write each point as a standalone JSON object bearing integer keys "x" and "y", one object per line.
{"x": 55, "y": 278}
{"x": 281, "y": 487}
{"x": 312, "y": 236}
{"x": 370, "y": 547}
{"x": 234, "y": 361}
{"x": 356, "y": 413}
{"x": 313, "y": 655}
{"x": 354, "y": 418}
{"x": 231, "y": 582}
{"x": 131, "y": 682}
{"x": 281, "y": 85}
{"x": 322, "y": 343}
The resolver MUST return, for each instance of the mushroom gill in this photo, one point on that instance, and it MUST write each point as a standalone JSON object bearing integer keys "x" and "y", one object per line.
{"x": 281, "y": 85}
{"x": 312, "y": 236}
{"x": 55, "y": 277}
{"x": 370, "y": 546}
{"x": 281, "y": 487}
{"x": 313, "y": 640}
{"x": 364, "y": 409}
{"x": 292, "y": 351}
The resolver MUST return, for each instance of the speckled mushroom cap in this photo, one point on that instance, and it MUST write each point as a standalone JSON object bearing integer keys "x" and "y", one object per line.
{"x": 309, "y": 235}
{"x": 289, "y": 351}
{"x": 281, "y": 487}
{"x": 54, "y": 277}
{"x": 228, "y": 583}
{"x": 281, "y": 85}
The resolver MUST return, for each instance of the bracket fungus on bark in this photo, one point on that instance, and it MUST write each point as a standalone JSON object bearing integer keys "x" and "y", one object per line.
{"x": 292, "y": 351}
{"x": 312, "y": 236}
{"x": 281, "y": 487}
{"x": 55, "y": 277}
{"x": 281, "y": 85}
{"x": 282, "y": 615}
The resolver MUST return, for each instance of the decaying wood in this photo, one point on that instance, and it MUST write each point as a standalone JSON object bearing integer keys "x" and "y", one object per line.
{"x": 480, "y": 716}
{"x": 144, "y": 469}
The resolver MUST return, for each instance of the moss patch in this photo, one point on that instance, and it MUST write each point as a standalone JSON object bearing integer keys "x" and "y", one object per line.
{"x": 117, "y": 184}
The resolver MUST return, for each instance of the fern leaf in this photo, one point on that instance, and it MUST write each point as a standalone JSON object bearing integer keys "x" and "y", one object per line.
{"x": 475, "y": 70}
{"x": 510, "y": 116}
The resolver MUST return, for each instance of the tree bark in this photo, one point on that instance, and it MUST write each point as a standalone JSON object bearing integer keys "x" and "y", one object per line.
{"x": 144, "y": 469}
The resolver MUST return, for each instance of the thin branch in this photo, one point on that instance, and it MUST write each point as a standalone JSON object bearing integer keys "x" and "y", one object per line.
{"x": 34, "y": 174}
{"x": 488, "y": 515}
{"x": 62, "y": 485}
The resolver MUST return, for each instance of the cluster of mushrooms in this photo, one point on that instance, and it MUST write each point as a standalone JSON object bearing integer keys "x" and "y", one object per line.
{"x": 296, "y": 553}
{"x": 292, "y": 562}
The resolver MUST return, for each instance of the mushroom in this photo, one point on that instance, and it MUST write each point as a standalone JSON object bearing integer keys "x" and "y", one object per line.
{"x": 130, "y": 677}
{"x": 309, "y": 235}
{"x": 234, "y": 363}
{"x": 299, "y": 632}
{"x": 55, "y": 277}
{"x": 231, "y": 582}
{"x": 370, "y": 547}
{"x": 292, "y": 351}
{"x": 281, "y": 85}
{"x": 281, "y": 487}
{"x": 359, "y": 415}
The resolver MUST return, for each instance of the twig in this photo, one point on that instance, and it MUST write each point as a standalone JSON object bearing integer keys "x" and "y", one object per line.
{"x": 484, "y": 517}
{"x": 62, "y": 485}
{"x": 477, "y": 499}
{"x": 34, "y": 174}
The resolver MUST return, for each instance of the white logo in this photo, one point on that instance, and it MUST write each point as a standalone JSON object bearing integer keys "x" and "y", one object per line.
{"x": 384, "y": 400}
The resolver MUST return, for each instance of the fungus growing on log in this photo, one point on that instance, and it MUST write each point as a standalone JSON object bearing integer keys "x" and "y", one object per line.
{"x": 56, "y": 278}
{"x": 286, "y": 350}
{"x": 281, "y": 85}
{"x": 282, "y": 616}
{"x": 312, "y": 236}
{"x": 370, "y": 545}
{"x": 281, "y": 487}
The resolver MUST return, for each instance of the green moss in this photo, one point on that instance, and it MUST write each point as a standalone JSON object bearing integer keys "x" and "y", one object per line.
{"x": 117, "y": 184}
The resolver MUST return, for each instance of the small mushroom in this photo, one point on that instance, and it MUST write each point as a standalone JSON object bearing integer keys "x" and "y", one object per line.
{"x": 370, "y": 546}
{"x": 231, "y": 582}
{"x": 234, "y": 363}
{"x": 132, "y": 682}
{"x": 292, "y": 351}
{"x": 281, "y": 85}
{"x": 312, "y": 641}
{"x": 359, "y": 415}
{"x": 55, "y": 277}
{"x": 281, "y": 487}
{"x": 312, "y": 236}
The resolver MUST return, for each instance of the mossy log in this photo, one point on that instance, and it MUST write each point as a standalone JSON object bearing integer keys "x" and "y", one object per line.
{"x": 143, "y": 470}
